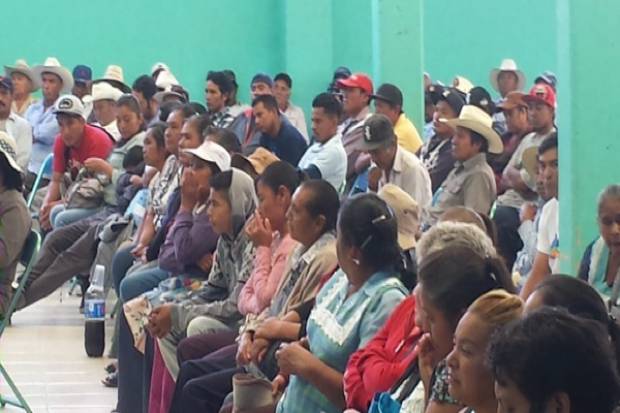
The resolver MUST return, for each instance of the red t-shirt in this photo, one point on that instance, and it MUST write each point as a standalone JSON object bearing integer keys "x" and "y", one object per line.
{"x": 95, "y": 144}
{"x": 376, "y": 367}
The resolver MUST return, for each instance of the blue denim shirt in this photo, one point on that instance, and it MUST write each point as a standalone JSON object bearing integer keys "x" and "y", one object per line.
{"x": 44, "y": 131}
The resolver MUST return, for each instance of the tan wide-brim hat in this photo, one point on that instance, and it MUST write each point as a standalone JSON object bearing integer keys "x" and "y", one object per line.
{"x": 462, "y": 84}
{"x": 22, "y": 67}
{"x": 507, "y": 65}
{"x": 103, "y": 91}
{"x": 529, "y": 160}
{"x": 258, "y": 161}
{"x": 8, "y": 148}
{"x": 474, "y": 118}
{"x": 407, "y": 214}
{"x": 52, "y": 65}
{"x": 114, "y": 76}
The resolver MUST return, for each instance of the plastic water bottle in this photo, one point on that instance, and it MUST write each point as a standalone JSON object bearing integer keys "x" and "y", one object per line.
{"x": 94, "y": 315}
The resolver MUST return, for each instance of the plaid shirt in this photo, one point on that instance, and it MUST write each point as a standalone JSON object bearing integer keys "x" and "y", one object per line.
{"x": 339, "y": 325}
{"x": 223, "y": 118}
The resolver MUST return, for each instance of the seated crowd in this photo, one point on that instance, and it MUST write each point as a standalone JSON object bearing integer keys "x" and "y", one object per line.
{"x": 357, "y": 266}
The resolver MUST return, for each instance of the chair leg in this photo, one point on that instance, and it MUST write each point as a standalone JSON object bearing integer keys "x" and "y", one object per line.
{"x": 20, "y": 402}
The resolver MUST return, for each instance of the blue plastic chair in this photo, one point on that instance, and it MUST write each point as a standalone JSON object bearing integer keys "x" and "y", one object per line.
{"x": 45, "y": 169}
{"x": 28, "y": 257}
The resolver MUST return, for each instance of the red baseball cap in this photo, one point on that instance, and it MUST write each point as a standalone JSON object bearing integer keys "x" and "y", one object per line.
{"x": 542, "y": 92}
{"x": 358, "y": 80}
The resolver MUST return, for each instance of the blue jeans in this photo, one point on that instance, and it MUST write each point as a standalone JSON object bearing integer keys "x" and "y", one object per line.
{"x": 121, "y": 263}
{"x": 141, "y": 281}
{"x": 61, "y": 217}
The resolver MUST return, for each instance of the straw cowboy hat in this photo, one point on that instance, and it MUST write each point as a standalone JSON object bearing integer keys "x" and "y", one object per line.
{"x": 9, "y": 149}
{"x": 462, "y": 84}
{"x": 114, "y": 76}
{"x": 103, "y": 91}
{"x": 407, "y": 214}
{"x": 257, "y": 161}
{"x": 52, "y": 65}
{"x": 529, "y": 160}
{"x": 508, "y": 65}
{"x": 477, "y": 120}
{"x": 22, "y": 67}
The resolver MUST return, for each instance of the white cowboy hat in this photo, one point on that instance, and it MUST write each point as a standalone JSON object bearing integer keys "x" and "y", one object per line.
{"x": 165, "y": 80}
{"x": 175, "y": 90}
{"x": 462, "y": 84}
{"x": 22, "y": 67}
{"x": 159, "y": 67}
{"x": 477, "y": 120}
{"x": 114, "y": 76}
{"x": 52, "y": 65}
{"x": 103, "y": 91}
{"x": 508, "y": 65}
{"x": 9, "y": 149}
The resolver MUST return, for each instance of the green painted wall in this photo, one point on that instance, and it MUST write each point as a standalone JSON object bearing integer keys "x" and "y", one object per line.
{"x": 192, "y": 36}
{"x": 469, "y": 38}
{"x": 380, "y": 37}
{"x": 309, "y": 39}
{"x": 589, "y": 144}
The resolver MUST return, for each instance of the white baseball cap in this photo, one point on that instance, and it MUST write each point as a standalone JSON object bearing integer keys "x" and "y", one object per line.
{"x": 9, "y": 149}
{"x": 212, "y": 152}
{"x": 69, "y": 105}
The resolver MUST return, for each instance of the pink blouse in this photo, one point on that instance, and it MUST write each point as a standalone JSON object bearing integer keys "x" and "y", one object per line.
{"x": 269, "y": 266}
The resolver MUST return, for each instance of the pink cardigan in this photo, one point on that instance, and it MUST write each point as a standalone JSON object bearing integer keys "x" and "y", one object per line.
{"x": 270, "y": 264}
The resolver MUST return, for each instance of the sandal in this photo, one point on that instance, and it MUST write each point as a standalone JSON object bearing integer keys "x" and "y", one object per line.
{"x": 111, "y": 380}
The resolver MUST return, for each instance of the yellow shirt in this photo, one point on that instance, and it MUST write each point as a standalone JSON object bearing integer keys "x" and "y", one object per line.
{"x": 407, "y": 134}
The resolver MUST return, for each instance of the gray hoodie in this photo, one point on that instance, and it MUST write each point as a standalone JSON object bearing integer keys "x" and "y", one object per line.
{"x": 232, "y": 265}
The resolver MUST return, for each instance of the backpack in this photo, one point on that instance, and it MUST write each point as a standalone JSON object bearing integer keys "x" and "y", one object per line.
{"x": 86, "y": 191}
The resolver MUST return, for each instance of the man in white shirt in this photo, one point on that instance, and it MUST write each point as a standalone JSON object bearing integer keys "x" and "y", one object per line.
{"x": 15, "y": 126}
{"x": 326, "y": 158}
{"x": 282, "y": 87}
{"x": 546, "y": 261}
{"x": 393, "y": 164}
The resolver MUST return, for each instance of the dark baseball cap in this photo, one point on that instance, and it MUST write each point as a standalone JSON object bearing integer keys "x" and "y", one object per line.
{"x": 82, "y": 74}
{"x": 7, "y": 83}
{"x": 549, "y": 78}
{"x": 479, "y": 96}
{"x": 453, "y": 98}
{"x": 377, "y": 133}
{"x": 389, "y": 93}
{"x": 342, "y": 72}
{"x": 262, "y": 78}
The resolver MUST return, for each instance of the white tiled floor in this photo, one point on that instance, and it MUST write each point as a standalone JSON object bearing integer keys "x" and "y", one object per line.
{"x": 43, "y": 352}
